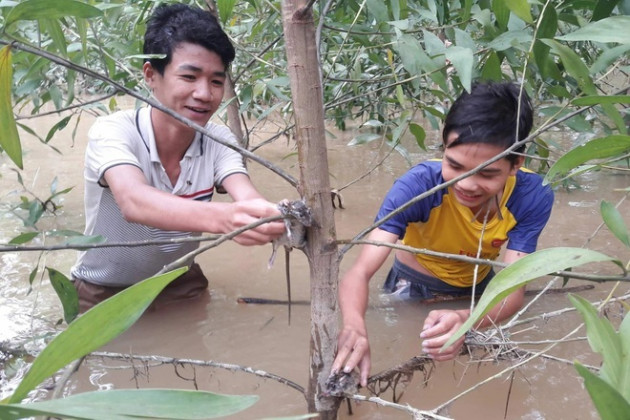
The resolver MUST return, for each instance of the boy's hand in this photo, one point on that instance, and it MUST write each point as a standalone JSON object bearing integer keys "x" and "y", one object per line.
{"x": 353, "y": 349}
{"x": 438, "y": 327}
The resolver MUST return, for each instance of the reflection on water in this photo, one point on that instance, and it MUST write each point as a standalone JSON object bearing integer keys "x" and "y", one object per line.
{"x": 220, "y": 329}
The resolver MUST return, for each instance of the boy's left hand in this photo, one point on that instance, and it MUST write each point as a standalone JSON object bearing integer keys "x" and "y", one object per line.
{"x": 438, "y": 327}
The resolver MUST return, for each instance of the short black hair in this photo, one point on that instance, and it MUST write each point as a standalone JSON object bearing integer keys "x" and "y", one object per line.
{"x": 490, "y": 113}
{"x": 170, "y": 25}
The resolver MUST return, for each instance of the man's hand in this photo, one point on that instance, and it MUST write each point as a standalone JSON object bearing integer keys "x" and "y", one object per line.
{"x": 353, "y": 349}
{"x": 245, "y": 212}
{"x": 438, "y": 327}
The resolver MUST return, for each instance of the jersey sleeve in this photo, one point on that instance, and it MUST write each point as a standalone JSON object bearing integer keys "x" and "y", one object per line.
{"x": 532, "y": 210}
{"x": 416, "y": 181}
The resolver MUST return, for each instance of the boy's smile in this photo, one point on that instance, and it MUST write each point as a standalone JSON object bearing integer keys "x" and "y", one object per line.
{"x": 476, "y": 190}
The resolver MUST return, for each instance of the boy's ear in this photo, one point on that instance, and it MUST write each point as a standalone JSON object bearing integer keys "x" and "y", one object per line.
{"x": 516, "y": 165}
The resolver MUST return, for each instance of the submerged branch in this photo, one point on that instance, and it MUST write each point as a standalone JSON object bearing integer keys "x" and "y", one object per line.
{"x": 203, "y": 363}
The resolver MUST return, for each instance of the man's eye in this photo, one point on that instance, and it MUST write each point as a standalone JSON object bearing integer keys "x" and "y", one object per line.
{"x": 217, "y": 82}
{"x": 188, "y": 76}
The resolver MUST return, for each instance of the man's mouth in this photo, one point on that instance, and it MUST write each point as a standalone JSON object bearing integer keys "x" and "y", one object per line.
{"x": 198, "y": 110}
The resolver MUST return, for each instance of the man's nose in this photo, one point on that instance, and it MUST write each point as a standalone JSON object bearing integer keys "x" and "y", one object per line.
{"x": 467, "y": 183}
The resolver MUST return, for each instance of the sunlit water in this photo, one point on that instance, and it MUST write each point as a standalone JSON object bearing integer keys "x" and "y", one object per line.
{"x": 259, "y": 336}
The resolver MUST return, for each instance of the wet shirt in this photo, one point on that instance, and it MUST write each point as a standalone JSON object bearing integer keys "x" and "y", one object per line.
{"x": 440, "y": 223}
{"x": 127, "y": 138}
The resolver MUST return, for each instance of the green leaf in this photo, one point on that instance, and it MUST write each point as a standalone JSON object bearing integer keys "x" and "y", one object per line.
{"x": 492, "y": 68}
{"x": 607, "y": 400}
{"x": 66, "y": 292}
{"x": 226, "y": 10}
{"x": 93, "y": 329}
{"x": 596, "y": 100}
{"x": 46, "y": 9}
{"x": 9, "y": 140}
{"x": 528, "y": 268}
{"x": 601, "y": 148}
{"x": 419, "y": 134}
{"x": 615, "y": 222}
{"x": 521, "y": 9}
{"x": 82, "y": 240}
{"x": 60, "y": 125}
{"x": 378, "y": 9}
{"x": 574, "y": 65}
{"x": 139, "y": 404}
{"x": 23, "y": 238}
{"x": 364, "y": 138}
{"x": 611, "y": 29}
{"x": 604, "y": 340}
{"x": 35, "y": 211}
{"x": 463, "y": 61}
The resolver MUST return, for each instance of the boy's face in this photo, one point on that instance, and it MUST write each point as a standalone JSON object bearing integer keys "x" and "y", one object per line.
{"x": 476, "y": 190}
{"x": 192, "y": 84}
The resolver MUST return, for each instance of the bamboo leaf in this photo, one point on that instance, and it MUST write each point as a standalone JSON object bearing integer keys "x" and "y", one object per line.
{"x": 607, "y": 400}
{"x": 66, "y": 292}
{"x": 596, "y": 100}
{"x": 604, "y": 340}
{"x": 93, "y": 329}
{"x": 10, "y": 139}
{"x": 601, "y": 148}
{"x": 573, "y": 65}
{"x": 226, "y": 10}
{"x": 419, "y": 134}
{"x": 615, "y": 222}
{"x": 463, "y": 60}
{"x": 611, "y": 29}
{"x": 46, "y": 9}
{"x": 521, "y": 272}
{"x": 520, "y": 8}
{"x": 137, "y": 404}
{"x": 23, "y": 238}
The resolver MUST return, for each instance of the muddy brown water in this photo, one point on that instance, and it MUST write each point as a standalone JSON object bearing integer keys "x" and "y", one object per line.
{"x": 218, "y": 328}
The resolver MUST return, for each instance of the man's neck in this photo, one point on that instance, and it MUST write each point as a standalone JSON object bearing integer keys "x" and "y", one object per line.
{"x": 172, "y": 138}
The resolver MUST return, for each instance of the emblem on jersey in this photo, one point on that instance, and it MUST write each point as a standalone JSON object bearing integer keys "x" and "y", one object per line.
{"x": 497, "y": 243}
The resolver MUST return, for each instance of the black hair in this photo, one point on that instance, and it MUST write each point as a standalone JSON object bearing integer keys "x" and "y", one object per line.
{"x": 490, "y": 114}
{"x": 170, "y": 25}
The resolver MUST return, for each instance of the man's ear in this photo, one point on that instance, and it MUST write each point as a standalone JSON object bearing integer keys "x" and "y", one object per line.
{"x": 516, "y": 165}
{"x": 149, "y": 73}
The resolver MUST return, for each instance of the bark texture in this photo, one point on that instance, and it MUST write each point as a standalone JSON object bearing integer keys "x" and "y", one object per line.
{"x": 306, "y": 90}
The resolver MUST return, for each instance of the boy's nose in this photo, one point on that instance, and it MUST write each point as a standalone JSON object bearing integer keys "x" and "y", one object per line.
{"x": 467, "y": 183}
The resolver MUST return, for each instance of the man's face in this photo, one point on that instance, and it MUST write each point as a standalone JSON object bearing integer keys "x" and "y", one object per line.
{"x": 476, "y": 190}
{"x": 192, "y": 84}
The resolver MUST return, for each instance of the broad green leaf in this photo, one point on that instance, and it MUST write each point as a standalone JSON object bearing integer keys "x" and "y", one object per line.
{"x": 93, "y": 329}
{"x": 615, "y": 222}
{"x": 611, "y": 29}
{"x": 521, "y": 9}
{"x": 226, "y": 10}
{"x": 491, "y": 70}
{"x": 416, "y": 61}
{"x": 378, "y": 9}
{"x": 10, "y": 139}
{"x": 82, "y": 240}
{"x": 46, "y": 9}
{"x": 501, "y": 13}
{"x": 601, "y": 148}
{"x": 518, "y": 274}
{"x": 462, "y": 59}
{"x": 66, "y": 292}
{"x": 603, "y": 9}
{"x": 607, "y": 400}
{"x": 596, "y": 100}
{"x": 510, "y": 39}
{"x": 419, "y": 134}
{"x": 23, "y": 238}
{"x": 603, "y": 340}
{"x": 574, "y": 66}
{"x": 139, "y": 404}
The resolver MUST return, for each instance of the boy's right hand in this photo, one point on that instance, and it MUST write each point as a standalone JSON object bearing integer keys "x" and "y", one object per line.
{"x": 353, "y": 349}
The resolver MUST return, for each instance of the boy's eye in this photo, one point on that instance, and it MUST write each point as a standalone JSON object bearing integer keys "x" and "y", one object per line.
{"x": 188, "y": 76}
{"x": 217, "y": 82}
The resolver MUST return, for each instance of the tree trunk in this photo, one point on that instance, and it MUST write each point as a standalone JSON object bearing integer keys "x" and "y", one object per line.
{"x": 306, "y": 90}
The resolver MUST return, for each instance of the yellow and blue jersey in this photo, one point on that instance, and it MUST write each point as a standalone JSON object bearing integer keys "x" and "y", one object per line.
{"x": 440, "y": 223}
